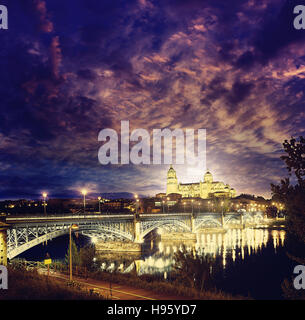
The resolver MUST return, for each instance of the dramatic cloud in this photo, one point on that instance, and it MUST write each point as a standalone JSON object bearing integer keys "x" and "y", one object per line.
{"x": 236, "y": 68}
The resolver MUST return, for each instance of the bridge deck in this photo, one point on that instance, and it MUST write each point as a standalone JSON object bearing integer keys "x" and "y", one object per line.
{"x": 103, "y": 217}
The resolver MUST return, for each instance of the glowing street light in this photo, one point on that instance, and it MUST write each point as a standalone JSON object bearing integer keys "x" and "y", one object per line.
{"x": 84, "y": 192}
{"x": 137, "y": 203}
{"x": 44, "y": 202}
{"x": 99, "y": 204}
{"x": 72, "y": 227}
{"x": 184, "y": 206}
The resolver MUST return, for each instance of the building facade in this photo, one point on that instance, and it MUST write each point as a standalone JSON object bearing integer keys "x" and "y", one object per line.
{"x": 203, "y": 189}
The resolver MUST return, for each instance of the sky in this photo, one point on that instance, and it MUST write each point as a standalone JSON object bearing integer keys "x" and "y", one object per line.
{"x": 69, "y": 69}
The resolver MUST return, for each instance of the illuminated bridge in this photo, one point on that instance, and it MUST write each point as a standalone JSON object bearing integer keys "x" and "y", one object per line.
{"x": 20, "y": 233}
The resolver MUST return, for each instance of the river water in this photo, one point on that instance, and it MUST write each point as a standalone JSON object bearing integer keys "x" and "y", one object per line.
{"x": 251, "y": 262}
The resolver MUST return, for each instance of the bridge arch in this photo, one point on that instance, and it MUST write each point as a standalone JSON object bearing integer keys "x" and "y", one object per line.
{"x": 15, "y": 251}
{"x": 208, "y": 221}
{"x": 231, "y": 218}
{"x": 16, "y": 247}
{"x": 147, "y": 227}
{"x": 116, "y": 232}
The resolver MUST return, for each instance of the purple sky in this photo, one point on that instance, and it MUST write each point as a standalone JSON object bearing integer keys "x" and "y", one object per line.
{"x": 71, "y": 68}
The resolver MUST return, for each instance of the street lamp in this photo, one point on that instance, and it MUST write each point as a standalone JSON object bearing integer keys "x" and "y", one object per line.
{"x": 137, "y": 202}
{"x": 184, "y": 206}
{"x": 137, "y": 208}
{"x": 192, "y": 206}
{"x": 84, "y": 192}
{"x": 99, "y": 204}
{"x": 72, "y": 227}
{"x": 44, "y": 203}
{"x": 198, "y": 207}
{"x": 163, "y": 205}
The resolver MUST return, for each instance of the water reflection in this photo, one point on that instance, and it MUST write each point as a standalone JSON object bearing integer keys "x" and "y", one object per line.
{"x": 222, "y": 245}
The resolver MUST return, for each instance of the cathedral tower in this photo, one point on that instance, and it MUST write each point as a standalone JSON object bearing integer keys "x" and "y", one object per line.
{"x": 172, "y": 181}
{"x": 208, "y": 178}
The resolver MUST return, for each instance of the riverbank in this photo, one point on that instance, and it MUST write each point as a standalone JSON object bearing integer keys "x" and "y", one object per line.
{"x": 26, "y": 284}
{"x": 34, "y": 284}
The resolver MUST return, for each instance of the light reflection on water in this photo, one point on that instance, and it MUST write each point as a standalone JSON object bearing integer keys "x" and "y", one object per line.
{"x": 229, "y": 246}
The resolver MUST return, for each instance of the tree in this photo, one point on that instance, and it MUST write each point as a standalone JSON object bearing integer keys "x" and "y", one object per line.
{"x": 271, "y": 211}
{"x": 193, "y": 270}
{"x": 293, "y": 195}
{"x": 87, "y": 254}
{"x": 75, "y": 254}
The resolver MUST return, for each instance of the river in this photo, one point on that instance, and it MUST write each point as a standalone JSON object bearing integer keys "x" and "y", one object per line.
{"x": 252, "y": 261}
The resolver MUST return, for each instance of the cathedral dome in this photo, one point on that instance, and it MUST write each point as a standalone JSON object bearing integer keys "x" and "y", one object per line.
{"x": 208, "y": 178}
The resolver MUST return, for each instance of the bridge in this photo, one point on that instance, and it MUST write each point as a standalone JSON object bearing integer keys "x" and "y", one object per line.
{"x": 20, "y": 233}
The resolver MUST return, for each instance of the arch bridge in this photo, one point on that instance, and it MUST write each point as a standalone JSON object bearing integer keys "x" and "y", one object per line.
{"x": 20, "y": 233}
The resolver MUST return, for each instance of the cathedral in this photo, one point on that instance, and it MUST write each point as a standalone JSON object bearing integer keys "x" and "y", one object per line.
{"x": 204, "y": 189}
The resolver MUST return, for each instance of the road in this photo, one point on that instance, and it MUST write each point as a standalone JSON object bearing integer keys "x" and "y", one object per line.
{"x": 116, "y": 291}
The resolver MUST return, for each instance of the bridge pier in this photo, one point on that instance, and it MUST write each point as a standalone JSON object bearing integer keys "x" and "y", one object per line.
{"x": 241, "y": 217}
{"x": 222, "y": 220}
{"x": 193, "y": 223}
{"x": 137, "y": 265}
{"x": 137, "y": 229}
{"x": 3, "y": 243}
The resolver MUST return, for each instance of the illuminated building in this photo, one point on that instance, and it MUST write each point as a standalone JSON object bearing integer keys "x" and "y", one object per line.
{"x": 204, "y": 189}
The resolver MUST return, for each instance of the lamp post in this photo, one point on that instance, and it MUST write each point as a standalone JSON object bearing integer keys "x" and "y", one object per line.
{"x": 74, "y": 227}
{"x": 184, "y": 206}
{"x": 137, "y": 202}
{"x": 99, "y": 204}
{"x": 192, "y": 206}
{"x": 163, "y": 205}
{"x": 136, "y": 196}
{"x": 137, "y": 205}
{"x": 84, "y": 192}
{"x": 44, "y": 203}
{"x": 198, "y": 207}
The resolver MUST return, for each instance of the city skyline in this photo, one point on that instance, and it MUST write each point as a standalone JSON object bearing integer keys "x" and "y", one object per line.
{"x": 72, "y": 69}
